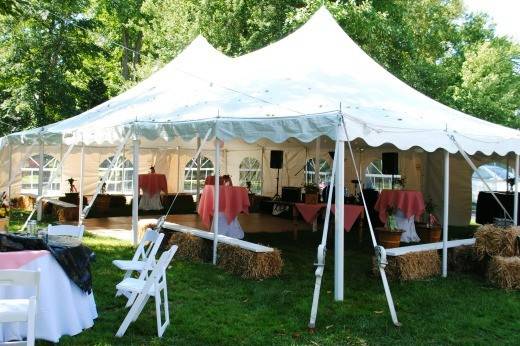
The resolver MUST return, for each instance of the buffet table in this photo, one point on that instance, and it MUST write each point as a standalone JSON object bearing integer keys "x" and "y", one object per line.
{"x": 409, "y": 205}
{"x": 63, "y": 307}
{"x": 233, "y": 200}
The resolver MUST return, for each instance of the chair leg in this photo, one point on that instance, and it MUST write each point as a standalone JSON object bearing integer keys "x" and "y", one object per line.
{"x": 31, "y": 322}
{"x": 142, "y": 298}
{"x": 161, "y": 327}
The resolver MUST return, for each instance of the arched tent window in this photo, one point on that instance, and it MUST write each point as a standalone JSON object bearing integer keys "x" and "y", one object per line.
{"x": 495, "y": 175}
{"x": 120, "y": 177}
{"x": 249, "y": 170}
{"x": 31, "y": 172}
{"x": 190, "y": 174}
{"x": 374, "y": 177}
{"x": 325, "y": 172}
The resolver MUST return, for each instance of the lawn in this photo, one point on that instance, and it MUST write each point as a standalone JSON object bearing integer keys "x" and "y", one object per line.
{"x": 209, "y": 306}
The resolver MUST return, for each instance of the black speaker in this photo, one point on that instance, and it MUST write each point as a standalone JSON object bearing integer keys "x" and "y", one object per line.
{"x": 291, "y": 194}
{"x": 390, "y": 163}
{"x": 331, "y": 154}
{"x": 276, "y": 159}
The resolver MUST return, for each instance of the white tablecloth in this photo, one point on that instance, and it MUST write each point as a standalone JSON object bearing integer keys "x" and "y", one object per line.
{"x": 63, "y": 308}
{"x": 150, "y": 202}
{"x": 233, "y": 230}
{"x": 408, "y": 226}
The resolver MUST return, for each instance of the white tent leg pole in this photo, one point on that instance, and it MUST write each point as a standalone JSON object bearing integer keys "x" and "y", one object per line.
{"x": 445, "y": 213}
{"x": 216, "y": 201}
{"x": 339, "y": 230}
{"x": 198, "y": 173}
{"x": 316, "y": 175}
{"x": 40, "y": 182}
{"x": 517, "y": 181}
{"x": 9, "y": 183}
{"x": 135, "y": 190}
{"x": 81, "y": 178}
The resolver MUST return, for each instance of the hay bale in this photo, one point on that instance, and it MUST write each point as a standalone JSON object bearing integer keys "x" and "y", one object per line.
{"x": 463, "y": 259}
{"x": 504, "y": 272}
{"x": 190, "y": 247}
{"x": 411, "y": 266}
{"x": 249, "y": 264}
{"x": 491, "y": 240}
{"x": 25, "y": 203}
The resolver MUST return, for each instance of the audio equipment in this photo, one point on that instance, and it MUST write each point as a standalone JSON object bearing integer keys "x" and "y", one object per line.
{"x": 276, "y": 161}
{"x": 390, "y": 163}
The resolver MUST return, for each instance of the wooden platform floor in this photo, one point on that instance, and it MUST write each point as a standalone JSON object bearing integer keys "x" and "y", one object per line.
{"x": 251, "y": 223}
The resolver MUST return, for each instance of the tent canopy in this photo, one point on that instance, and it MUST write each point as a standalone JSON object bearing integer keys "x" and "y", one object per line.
{"x": 302, "y": 87}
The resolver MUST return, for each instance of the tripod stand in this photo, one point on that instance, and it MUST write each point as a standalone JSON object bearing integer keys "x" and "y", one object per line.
{"x": 277, "y": 181}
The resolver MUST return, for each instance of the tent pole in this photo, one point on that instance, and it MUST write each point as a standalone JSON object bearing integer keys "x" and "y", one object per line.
{"x": 9, "y": 183}
{"x": 339, "y": 229}
{"x": 135, "y": 190}
{"x": 198, "y": 173}
{"x": 445, "y": 213}
{"x": 515, "y": 207}
{"x": 40, "y": 181}
{"x": 216, "y": 200}
{"x": 316, "y": 175}
{"x": 81, "y": 177}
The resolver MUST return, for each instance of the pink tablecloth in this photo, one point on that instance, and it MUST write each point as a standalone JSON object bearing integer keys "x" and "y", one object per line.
{"x": 153, "y": 183}
{"x": 309, "y": 213}
{"x": 17, "y": 259}
{"x": 411, "y": 203}
{"x": 233, "y": 201}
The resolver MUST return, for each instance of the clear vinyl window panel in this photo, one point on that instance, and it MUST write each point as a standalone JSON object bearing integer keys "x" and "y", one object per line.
{"x": 120, "y": 177}
{"x": 375, "y": 179}
{"x": 190, "y": 174}
{"x": 325, "y": 172}
{"x": 31, "y": 173}
{"x": 250, "y": 172}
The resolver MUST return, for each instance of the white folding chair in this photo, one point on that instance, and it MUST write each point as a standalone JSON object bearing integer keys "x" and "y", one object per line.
{"x": 143, "y": 260}
{"x": 70, "y": 230}
{"x": 20, "y": 310}
{"x": 151, "y": 286}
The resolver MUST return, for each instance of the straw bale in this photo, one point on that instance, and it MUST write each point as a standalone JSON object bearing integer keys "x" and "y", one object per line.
{"x": 25, "y": 202}
{"x": 249, "y": 264}
{"x": 495, "y": 241}
{"x": 143, "y": 225}
{"x": 411, "y": 266}
{"x": 463, "y": 259}
{"x": 504, "y": 272}
{"x": 190, "y": 247}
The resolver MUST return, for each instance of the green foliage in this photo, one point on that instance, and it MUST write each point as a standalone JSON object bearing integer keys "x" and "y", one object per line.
{"x": 51, "y": 68}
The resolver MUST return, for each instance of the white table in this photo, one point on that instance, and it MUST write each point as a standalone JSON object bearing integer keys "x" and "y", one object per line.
{"x": 233, "y": 229}
{"x": 63, "y": 308}
{"x": 408, "y": 226}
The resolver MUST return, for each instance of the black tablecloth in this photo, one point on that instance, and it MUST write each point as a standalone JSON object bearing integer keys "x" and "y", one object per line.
{"x": 488, "y": 208}
{"x": 72, "y": 256}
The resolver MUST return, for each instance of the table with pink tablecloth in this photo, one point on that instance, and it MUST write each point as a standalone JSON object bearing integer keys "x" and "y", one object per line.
{"x": 62, "y": 308}
{"x": 409, "y": 205}
{"x": 233, "y": 200}
{"x": 309, "y": 212}
{"x": 152, "y": 184}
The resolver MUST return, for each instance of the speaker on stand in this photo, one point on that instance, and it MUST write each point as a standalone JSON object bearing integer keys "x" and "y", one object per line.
{"x": 276, "y": 162}
{"x": 390, "y": 165}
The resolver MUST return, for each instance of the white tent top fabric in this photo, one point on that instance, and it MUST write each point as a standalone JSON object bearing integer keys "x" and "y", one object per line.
{"x": 302, "y": 86}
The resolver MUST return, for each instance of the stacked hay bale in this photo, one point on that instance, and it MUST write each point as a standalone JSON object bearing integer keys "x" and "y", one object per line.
{"x": 191, "y": 248}
{"x": 501, "y": 248}
{"x": 411, "y": 266}
{"x": 464, "y": 259}
{"x": 249, "y": 264}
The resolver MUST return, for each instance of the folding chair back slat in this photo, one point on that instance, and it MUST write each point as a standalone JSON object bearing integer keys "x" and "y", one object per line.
{"x": 69, "y": 230}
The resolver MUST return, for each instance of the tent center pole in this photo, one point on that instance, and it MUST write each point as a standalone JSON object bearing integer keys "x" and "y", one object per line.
{"x": 515, "y": 207}
{"x": 339, "y": 229}
{"x": 199, "y": 161}
{"x": 81, "y": 179}
{"x": 135, "y": 190}
{"x": 316, "y": 175}
{"x": 40, "y": 180}
{"x": 446, "y": 196}
{"x": 216, "y": 200}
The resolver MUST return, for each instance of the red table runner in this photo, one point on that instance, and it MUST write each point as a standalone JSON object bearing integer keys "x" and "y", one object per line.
{"x": 411, "y": 203}
{"x": 16, "y": 259}
{"x": 233, "y": 200}
{"x": 309, "y": 212}
{"x": 153, "y": 183}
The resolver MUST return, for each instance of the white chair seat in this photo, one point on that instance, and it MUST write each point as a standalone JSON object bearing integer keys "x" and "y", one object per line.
{"x": 14, "y": 310}
{"x": 129, "y": 265}
{"x": 134, "y": 285}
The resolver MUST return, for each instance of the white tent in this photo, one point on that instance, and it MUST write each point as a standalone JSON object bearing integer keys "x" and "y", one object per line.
{"x": 294, "y": 91}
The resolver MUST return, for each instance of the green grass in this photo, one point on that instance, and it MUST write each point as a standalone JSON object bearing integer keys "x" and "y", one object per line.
{"x": 209, "y": 306}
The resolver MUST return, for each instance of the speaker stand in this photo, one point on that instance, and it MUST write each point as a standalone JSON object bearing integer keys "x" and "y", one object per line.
{"x": 392, "y": 180}
{"x": 277, "y": 181}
